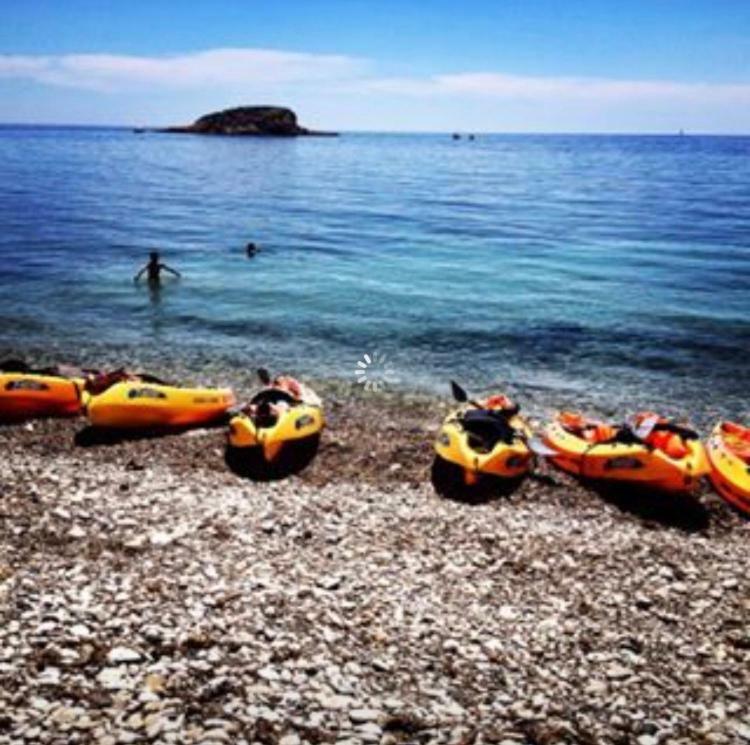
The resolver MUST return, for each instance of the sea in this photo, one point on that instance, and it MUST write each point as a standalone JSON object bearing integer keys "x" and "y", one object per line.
{"x": 577, "y": 271}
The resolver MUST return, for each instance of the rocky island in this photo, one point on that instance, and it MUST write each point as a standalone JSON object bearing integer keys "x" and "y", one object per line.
{"x": 248, "y": 121}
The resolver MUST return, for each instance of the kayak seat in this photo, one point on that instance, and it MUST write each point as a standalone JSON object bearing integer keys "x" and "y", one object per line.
{"x": 273, "y": 396}
{"x": 264, "y": 404}
{"x": 489, "y": 427}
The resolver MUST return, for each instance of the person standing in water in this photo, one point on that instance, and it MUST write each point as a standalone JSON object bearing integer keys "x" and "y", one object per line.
{"x": 154, "y": 269}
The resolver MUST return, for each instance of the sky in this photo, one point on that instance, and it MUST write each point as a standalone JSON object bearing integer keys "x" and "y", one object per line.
{"x": 383, "y": 65}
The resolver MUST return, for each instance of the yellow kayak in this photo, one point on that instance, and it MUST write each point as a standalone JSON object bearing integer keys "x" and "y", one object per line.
{"x": 666, "y": 457}
{"x": 135, "y": 404}
{"x": 284, "y": 412}
{"x": 31, "y": 395}
{"x": 729, "y": 455}
{"x": 487, "y": 437}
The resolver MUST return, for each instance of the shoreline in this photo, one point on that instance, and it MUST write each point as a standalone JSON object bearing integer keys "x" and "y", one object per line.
{"x": 540, "y": 397}
{"x": 381, "y": 439}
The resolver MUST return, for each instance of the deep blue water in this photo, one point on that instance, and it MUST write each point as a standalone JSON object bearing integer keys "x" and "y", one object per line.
{"x": 591, "y": 268}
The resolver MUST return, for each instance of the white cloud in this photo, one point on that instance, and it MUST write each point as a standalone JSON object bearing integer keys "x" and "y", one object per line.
{"x": 215, "y": 67}
{"x": 518, "y": 87}
{"x": 348, "y": 92}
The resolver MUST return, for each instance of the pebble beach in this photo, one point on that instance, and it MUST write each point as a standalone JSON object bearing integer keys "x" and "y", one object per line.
{"x": 148, "y": 594}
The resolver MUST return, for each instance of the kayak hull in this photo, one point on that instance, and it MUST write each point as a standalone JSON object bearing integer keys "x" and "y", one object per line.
{"x": 631, "y": 463}
{"x": 299, "y": 422}
{"x": 730, "y": 474}
{"x": 139, "y": 405}
{"x": 504, "y": 460}
{"x": 30, "y": 396}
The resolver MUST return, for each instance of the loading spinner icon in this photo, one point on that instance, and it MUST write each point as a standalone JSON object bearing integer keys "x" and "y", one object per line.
{"x": 375, "y": 372}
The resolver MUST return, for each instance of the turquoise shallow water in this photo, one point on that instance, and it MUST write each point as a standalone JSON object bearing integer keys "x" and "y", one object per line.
{"x": 581, "y": 268}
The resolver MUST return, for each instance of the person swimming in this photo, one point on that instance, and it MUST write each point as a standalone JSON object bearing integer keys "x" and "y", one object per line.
{"x": 154, "y": 268}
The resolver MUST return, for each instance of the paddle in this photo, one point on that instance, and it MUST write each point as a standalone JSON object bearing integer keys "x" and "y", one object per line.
{"x": 462, "y": 396}
{"x": 264, "y": 375}
{"x": 540, "y": 448}
{"x": 645, "y": 428}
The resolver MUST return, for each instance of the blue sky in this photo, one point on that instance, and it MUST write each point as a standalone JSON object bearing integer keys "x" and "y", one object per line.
{"x": 640, "y": 65}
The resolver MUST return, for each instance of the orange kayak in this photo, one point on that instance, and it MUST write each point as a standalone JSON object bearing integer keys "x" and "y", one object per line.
{"x": 31, "y": 395}
{"x": 491, "y": 440}
{"x": 729, "y": 456}
{"x": 668, "y": 459}
{"x": 136, "y": 404}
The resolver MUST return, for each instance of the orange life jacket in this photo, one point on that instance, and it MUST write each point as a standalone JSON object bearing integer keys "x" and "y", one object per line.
{"x": 498, "y": 402}
{"x": 660, "y": 439}
{"x": 289, "y": 384}
{"x": 587, "y": 429}
{"x": 668, "y": 442}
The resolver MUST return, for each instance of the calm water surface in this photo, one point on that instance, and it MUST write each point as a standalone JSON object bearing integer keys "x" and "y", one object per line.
{"x": 610, "y": 271}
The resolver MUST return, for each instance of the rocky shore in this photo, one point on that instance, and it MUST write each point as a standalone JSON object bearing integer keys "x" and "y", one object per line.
{"x": 147, "y": 594}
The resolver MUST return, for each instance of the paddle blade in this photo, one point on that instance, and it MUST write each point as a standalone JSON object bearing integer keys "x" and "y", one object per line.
{"x": 264, "y": 375}
{"x": 646, "y": 427}
{"x": 459, "y": 393}
{"x": 540, "y": 448}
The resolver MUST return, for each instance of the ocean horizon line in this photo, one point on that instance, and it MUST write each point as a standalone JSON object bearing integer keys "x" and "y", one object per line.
{"x": 154, "y": 129}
